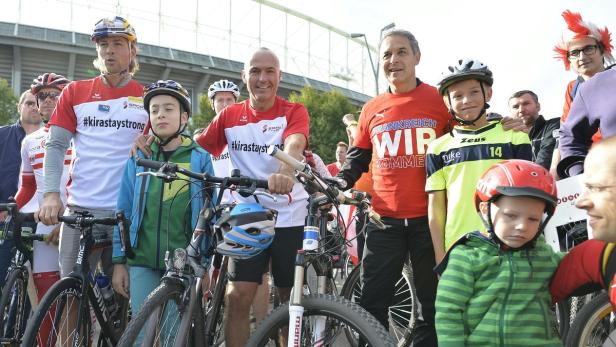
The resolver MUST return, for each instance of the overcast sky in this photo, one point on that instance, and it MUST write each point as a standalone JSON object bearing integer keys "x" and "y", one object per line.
{"x": 514, "y": 38}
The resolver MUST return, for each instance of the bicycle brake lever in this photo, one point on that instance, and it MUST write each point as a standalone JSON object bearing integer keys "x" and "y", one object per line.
{"x": 166, "y": 177}
{"x": 266, "y": 194}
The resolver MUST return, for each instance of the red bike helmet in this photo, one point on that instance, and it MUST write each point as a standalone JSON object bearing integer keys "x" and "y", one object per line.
{"x": 48, "y": 80}
{"x": 517, "y": 178}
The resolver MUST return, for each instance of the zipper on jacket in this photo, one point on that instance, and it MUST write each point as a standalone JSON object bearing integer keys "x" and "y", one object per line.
{"x": 546, "y": 321}
{"x": 501, "y": 323}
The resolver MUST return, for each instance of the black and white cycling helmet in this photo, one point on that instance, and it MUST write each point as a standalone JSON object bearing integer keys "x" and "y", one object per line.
{"x": 223, "y": 86}
{"x": 465, "y": 69}
{"x": 248, "y": 229}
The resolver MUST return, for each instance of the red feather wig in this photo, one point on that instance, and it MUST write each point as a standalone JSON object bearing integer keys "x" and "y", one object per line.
{"x": 579, "y": 28}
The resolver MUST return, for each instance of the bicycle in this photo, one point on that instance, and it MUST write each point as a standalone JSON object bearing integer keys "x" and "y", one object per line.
{"x": 79, "y": 291}
{"x": 173, "y": 314}
{"x": 594, "y": 324}
{"x": 402, "y": 311}
{"x": 14, "y": 302}
{"x": 316, "y": 319}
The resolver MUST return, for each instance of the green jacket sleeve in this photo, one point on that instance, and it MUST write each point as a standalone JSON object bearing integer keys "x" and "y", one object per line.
{"x": 455, "y": 288}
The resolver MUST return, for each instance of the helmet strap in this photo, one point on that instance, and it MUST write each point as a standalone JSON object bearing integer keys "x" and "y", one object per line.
{"x": 166, "y": 141}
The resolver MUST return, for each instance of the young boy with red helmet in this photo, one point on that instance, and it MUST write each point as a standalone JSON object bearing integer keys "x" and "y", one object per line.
{"x": 494, "y": 286}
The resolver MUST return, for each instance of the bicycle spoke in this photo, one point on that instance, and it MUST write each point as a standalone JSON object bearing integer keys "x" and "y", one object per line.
{"x": 60, "y": 325}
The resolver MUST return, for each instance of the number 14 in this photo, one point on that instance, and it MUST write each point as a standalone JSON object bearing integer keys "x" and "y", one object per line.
{"x": 496, "y": 152}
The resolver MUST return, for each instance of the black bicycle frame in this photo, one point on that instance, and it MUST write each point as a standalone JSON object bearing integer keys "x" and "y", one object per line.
{"x": 89, "y": 288}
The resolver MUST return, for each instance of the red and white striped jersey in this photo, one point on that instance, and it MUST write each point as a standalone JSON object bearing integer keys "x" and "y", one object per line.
{"x": 32, "y": 159}
{"x": 105, "y": 122}
{"x": 247, "y": 134}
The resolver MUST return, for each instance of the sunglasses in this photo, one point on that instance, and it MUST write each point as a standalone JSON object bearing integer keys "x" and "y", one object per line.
{"x": 44, "y": 95}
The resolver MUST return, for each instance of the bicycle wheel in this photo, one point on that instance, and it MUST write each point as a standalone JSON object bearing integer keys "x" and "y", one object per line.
{"x": 214, "y": 321}
{"x": 159, "y": 320}
{"x": 62, "y": 318}
{"x": 13, "y": 306}
{"x": 336, "y": 310}
{"x": 594, "y": 324}
{"x": 402, "y": 312}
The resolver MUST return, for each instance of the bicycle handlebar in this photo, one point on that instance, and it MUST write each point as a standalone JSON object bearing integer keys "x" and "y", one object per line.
{"x": 79, "y": 220}
{"x": 168, "y": 171}
{"x": 314, "y": 182}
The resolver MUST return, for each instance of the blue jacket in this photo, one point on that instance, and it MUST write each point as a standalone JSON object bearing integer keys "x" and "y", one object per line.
{"x": 132, "y": 191}
{"x": 10, "y": 157}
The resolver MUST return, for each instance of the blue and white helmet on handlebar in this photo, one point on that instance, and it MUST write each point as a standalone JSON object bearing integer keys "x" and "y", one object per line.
{"x": 248, "y": 229}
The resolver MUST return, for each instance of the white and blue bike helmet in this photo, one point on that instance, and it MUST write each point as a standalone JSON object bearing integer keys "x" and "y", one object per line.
{"x": 248, "y": 229}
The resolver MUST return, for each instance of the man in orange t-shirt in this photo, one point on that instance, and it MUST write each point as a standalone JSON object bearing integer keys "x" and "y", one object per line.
{"x": 393, "y": 133}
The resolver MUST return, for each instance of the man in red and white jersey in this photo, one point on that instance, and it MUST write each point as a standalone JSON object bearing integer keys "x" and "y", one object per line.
{"x": 392, "y": 136}
{"x": 248, "y": 129}
{"x": 45, "y": 268}
{"x": 102, "y": 116}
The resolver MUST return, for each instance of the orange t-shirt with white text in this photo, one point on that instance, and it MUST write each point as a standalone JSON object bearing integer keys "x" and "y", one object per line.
{"x": 398, "y": 129}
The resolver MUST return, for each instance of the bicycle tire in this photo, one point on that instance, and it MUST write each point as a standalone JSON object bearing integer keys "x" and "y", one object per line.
{"x": 594, "y": 324}
{"x": 155, "y": 303}
{"x": 51, "y": 306}
{"x": 214, "y": 321}
{"x": 333, "y": 307}
{"x": 401, "y": 317}
{"x": 563, "y": 318}
{"x": 13, "y": 306}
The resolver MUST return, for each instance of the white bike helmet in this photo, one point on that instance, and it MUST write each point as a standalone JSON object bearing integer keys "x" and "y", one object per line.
{"x": 465, "y": 69}
{"x": 223, "y": 86}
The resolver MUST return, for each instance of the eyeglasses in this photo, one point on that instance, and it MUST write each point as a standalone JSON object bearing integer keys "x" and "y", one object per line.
{"x": 44, "y": 95}
{"x": 574, "y": 54}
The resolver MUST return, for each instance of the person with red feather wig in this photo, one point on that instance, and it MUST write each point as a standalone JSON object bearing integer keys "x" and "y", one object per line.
{"x": 587, "y": 49}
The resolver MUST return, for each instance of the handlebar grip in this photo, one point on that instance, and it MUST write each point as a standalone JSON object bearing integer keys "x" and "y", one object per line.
{"x": 376, "y": 219}
{"x": 124, "y": 229}
{"x": 285, "y": 158}
{"x": 262, "y": 184}
{"x": 152, "y": 164}
{"x": 11, "y": 206}
{"x": 27, "y": 217}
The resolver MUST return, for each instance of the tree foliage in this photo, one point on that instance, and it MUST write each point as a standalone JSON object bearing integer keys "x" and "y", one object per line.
{"x": 326, "y": 110}
{"x": 8, "y": 101}
{"x": 206, "y": 115}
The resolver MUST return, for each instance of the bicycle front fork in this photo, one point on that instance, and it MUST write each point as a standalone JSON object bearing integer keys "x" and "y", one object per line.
{"x": 296, "y": 309}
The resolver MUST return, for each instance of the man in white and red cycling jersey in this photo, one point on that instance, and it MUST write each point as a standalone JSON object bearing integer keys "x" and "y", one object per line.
{"x": 102, "y": 116}
{"x": 45, "y": 268}
{"x": 223, "y": 93}
{"x": 248, "y": 129}
{"x": 393, "y": 133}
